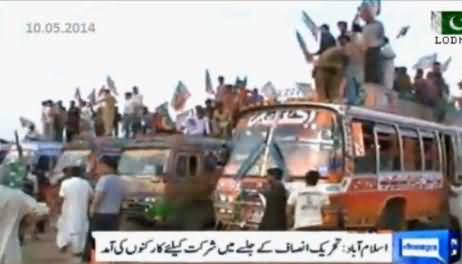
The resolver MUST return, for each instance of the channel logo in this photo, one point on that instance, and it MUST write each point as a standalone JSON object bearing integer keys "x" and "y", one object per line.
{"x": 433, "y": 246}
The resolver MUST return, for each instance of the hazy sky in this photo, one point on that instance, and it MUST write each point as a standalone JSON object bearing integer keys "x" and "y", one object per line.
{"x": 155, "y": 44}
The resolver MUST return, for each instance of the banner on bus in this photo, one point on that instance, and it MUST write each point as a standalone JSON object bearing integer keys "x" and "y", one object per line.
{"x": 235, "y": 247}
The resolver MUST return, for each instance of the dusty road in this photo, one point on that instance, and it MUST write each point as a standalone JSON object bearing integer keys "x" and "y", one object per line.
{"x": 45, "y": 251}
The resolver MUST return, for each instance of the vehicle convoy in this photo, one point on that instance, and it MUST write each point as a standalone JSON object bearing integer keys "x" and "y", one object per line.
{"x": 380, "y": 170}
{"x": 174, "y": 169}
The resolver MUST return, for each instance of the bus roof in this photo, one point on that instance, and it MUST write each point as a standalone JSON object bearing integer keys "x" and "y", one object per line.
{"x": 175, "y": 141}
{"x": 346, "y": 110}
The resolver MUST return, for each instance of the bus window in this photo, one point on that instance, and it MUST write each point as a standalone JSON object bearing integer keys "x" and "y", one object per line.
{"x": 193, "y": 166}
{"x": 411, "y": 148}
{"x": 389, "y": 154}
{"x": 431, "y": 154}
{"x": 181, "y": 167}
{"x": 365, "y": 161}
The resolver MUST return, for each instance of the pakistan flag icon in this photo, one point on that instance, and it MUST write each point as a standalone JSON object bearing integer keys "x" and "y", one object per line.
{"x": 447, "y": 22}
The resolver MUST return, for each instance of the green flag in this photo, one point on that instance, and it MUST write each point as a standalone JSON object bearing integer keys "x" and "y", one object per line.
{"x": 451, "y": 22}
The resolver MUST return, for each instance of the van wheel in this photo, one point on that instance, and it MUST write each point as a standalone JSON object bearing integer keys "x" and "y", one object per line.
{"x": 393, "y": 217}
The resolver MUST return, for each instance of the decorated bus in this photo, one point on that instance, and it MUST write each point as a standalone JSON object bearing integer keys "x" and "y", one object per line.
{"x": 380, "y": 170}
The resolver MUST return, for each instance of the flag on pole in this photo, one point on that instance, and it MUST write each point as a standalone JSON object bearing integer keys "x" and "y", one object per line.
{"x": 208, "y": 83}
{"x": 26, "y": 123}
{"x": 403, "y": 31}
{"x": 111, "y": 85}
{"x": 269, "y": 91}
{"x": 180, "y": 97}
{"x": 92, "y": 97}
{"x": 163, "y": 111}
{"x": 77, "y": 95}
{"x": 302, "y": 44}
{"x": 426, "y": 61}
{"x": 445, "y": 65}
{"x": 311, "y": 25}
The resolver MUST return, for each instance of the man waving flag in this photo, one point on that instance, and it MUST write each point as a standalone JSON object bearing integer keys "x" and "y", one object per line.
{"x": 208, "y": 83}
{"x": 180, "y": 97}
{"x": 311, "y": 25}
{"x": 111, "y": 85}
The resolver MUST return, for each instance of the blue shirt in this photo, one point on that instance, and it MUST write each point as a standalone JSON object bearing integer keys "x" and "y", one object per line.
{"x": 113, "y": 190}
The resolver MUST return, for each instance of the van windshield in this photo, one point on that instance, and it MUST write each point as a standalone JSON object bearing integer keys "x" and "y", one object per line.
{"x": 72, "y": 158}
{"x": 151, "y": 162}
{"x": 295, "y": 140}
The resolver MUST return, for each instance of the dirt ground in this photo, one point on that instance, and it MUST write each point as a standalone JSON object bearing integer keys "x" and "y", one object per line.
{"x": 44, "y": 251}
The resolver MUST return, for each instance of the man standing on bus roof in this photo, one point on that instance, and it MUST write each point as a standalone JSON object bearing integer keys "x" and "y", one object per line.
{"x": 304, "y": 207}
{"x": 274, "y": 202}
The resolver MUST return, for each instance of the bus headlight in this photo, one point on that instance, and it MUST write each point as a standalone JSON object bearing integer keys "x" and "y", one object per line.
{"x": 149, "y": 199}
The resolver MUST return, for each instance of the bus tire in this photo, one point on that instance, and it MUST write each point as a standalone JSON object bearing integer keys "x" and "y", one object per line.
{"x": 393, "y": 216}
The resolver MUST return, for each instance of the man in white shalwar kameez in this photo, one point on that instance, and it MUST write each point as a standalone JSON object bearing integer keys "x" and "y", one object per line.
{"x": 14, "y": 206}
{"x": 73, "y": 222}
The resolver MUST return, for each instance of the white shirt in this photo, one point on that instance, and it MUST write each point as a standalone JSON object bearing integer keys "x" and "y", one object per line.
{"x": 374, "y": 34}
{"x": 308, "y": 203}
{"x": 47, "y": 115}
{"x": 73, "y": 220}
{"x": 86, "y": 114}
{"x": 197, "y": 127}
{"x": 130, "y": 107}
{"x": 138, "y": 98}
{"x": 14, "y": 205}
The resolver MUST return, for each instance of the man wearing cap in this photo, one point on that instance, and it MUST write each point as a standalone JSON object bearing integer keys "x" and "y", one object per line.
{"x": 14, "y": 206}
{"x": 275, "y": 202}
{"x": 109, "y": 193}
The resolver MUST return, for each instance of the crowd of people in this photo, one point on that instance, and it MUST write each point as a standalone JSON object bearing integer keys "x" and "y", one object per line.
{"x": 368, "y": 58}
{"x": 103, "y": 117}
{"x": 217, "y": 117}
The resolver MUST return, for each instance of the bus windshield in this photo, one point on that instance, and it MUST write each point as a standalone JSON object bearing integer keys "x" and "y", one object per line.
{"x": 295, "y": 140}
{"x": 151, "y": 162}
